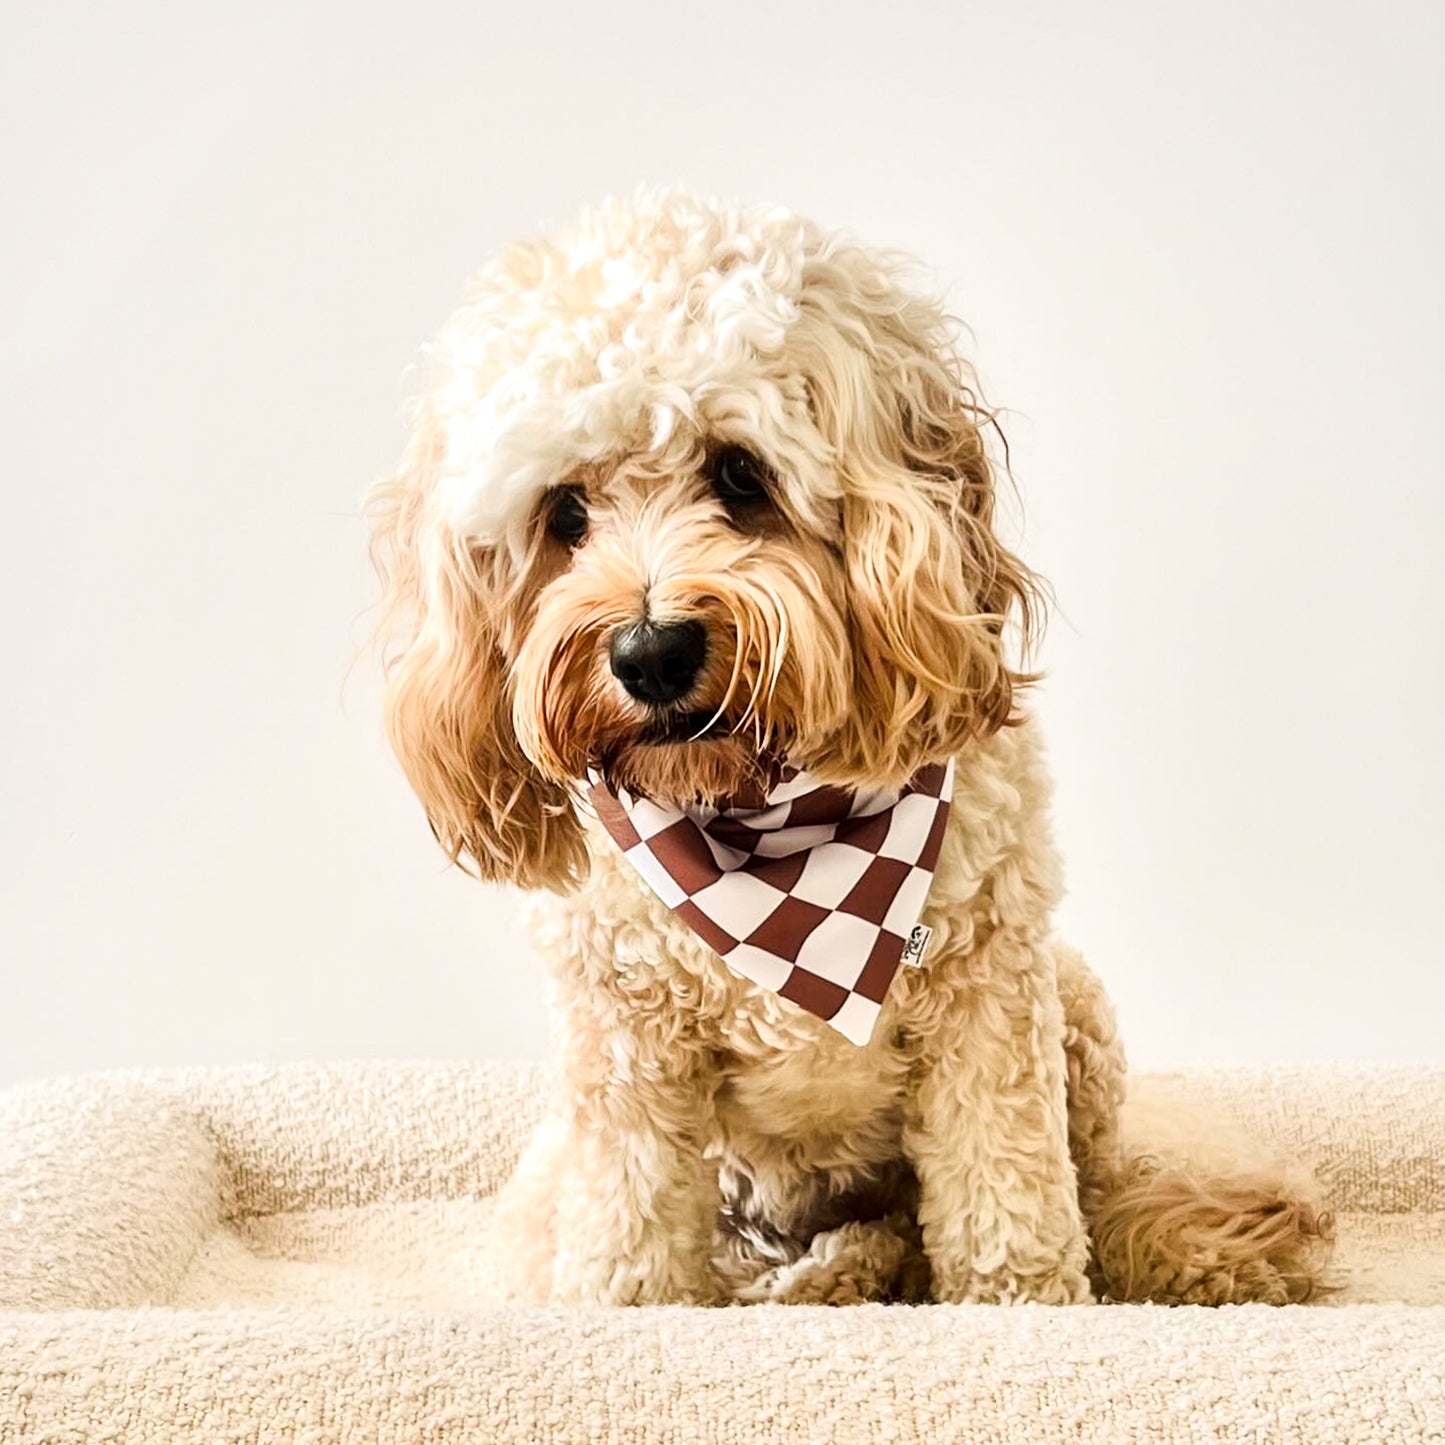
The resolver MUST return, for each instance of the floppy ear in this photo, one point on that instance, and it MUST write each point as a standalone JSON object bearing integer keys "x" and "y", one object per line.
{"x": 930, "y": 585}
{"x": 448, "y": 702}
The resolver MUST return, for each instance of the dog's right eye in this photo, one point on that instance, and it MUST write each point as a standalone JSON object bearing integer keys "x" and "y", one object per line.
{"x": 738, "y": 477}
{"x": 567, "y": 516}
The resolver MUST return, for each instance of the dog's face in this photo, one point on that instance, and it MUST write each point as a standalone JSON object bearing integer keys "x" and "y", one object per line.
{"x": 693, "y": 492}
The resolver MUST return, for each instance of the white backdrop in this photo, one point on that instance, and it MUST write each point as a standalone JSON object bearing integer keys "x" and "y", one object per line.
{"x": 1200, "y": 248}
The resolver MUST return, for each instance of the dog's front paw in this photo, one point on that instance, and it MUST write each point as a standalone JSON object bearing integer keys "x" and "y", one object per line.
{"x": 1064, "y": 1285}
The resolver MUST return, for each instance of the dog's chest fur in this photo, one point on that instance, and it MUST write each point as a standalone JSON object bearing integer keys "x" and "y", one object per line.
{"x": 787, "y": 1088}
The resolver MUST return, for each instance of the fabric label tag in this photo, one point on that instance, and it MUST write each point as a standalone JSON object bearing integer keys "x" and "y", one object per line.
{"x": 917, "y": 945}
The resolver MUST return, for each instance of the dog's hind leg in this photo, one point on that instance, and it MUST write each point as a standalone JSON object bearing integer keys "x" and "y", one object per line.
{"x": 523, "y": 1240}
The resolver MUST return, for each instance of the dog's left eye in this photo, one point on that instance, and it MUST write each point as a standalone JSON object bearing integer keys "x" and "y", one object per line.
{"x": 737, "y": 476}
{"x": 567, "y": 516}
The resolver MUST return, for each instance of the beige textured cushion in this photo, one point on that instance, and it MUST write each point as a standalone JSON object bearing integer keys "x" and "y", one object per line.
{"x": 301, "y": 1254}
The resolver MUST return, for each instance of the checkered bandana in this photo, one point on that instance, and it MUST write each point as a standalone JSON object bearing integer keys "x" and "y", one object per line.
{"x": 811, "y": 891}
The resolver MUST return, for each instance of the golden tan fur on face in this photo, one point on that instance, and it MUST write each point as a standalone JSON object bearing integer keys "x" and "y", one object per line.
{"x": 574, "y": 470}
{"x": 855, "y": 616}
{"x": 768, "y": 594}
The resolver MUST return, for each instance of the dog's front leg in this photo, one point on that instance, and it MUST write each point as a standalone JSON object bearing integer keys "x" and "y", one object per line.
{"x": 637, "y": 1202}
{"x": 986, "y": 1128}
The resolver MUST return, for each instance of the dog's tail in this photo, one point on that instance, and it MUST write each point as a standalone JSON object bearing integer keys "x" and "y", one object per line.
{"x": 1181, "y": 1208}
{"x": 1195, "y": 1214}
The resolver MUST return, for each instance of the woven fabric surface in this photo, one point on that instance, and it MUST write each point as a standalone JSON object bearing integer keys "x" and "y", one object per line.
{"x": 301, "y": 1254}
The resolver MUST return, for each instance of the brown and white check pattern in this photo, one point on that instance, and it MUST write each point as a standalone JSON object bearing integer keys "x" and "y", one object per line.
{"x": 811, "y": 891}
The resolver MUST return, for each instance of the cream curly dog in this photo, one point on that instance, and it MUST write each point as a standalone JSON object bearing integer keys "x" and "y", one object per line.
{"x": 693, "y": 492}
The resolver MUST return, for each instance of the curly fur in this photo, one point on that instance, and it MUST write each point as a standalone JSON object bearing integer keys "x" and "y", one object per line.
{"x": 708, "y": 1140}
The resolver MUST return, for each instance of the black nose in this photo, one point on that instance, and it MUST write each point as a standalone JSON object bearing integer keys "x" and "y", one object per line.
{"x": 658, "y": 662}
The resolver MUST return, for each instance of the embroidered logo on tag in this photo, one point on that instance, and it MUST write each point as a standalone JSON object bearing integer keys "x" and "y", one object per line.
{"x": 917, "y": 945}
